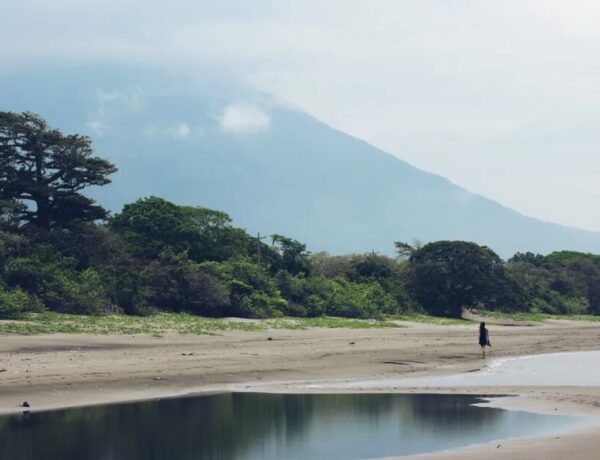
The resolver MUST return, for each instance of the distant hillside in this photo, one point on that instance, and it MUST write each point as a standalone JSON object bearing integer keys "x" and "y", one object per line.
{"x": 273, "y": 169}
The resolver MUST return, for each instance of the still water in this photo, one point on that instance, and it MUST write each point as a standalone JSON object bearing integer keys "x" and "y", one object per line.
{"x": 249, "y": 426}
{"x": 535, "y": 370}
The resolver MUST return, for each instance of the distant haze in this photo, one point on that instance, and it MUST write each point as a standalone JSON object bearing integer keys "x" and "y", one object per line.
{"x": 502, "y": 98}
{"x": 273, "y": 169}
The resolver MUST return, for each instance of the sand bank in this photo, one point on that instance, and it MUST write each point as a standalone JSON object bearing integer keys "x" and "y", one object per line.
{"x": 58, "y": 371}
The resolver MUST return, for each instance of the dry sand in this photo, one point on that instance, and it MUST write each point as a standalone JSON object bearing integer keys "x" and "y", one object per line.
{"x": 56, "y": 371}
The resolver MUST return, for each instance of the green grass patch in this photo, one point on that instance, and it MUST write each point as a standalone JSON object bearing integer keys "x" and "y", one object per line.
{"x": 522, "y": 316}
{"x": 164, "y": 323}
{"x": 538, "y": 317}
{"x": 159, "y": 324}
{"x": 183, "y": 323}
{"x": 329, "y": 322}
{"x": 578, "y": 317}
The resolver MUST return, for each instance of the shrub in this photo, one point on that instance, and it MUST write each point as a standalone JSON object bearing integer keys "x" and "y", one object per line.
{"x": 14, "y": 303}
{"x": 360, "y": 300}
{"x": 77, "y": 292}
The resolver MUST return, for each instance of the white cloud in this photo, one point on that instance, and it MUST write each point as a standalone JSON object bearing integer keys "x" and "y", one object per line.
{"x": 132, "y": 98}
{"x": 183, "y": 131}
{"x": 97, "y": 128}
{"x": 177, "y": 131}
{"x": 242, "y": 118}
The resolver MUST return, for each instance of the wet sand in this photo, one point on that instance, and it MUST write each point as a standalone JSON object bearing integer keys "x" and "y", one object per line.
{"x": 57, "y": 371}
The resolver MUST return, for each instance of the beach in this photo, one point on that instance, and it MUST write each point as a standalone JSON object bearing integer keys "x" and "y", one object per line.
{"x": 65, "y": 370}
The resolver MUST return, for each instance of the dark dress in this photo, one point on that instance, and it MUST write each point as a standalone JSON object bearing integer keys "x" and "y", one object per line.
{"x": 483, "y": 337}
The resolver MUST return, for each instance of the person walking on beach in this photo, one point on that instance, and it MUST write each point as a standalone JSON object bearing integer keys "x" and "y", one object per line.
{"x": 484, "y": 338}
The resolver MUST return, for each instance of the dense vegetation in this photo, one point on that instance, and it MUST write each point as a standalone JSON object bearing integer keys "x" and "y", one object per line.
{"x": 61, "y": 251}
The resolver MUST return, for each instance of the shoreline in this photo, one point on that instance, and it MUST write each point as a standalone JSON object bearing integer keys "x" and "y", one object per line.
{"x": 66, "y": 371}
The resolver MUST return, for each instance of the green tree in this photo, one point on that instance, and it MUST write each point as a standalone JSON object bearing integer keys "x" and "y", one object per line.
{"x": 388, "y": 272}
{"x": 78, "y": 292}
{"x": 580, "y": 279}
{"x": 43, "y": 171}
{"x": 306, "y": 296}
{"x": 447, "y": 276}
{"x": 405, "y": 250}
{"x": 11, "y": 245}
{"x": 564, "y": 257}
{"x": 372, "y": 267}
{"x": 151, "y": 225}
{"x": 14, "y": 303}
{"x": 359, "y": 300}
{"x": 324, "y": 264}
{"x": 254, "y": 293}
{"x": 175, "y": 283}
{"x": 215, "y": 237}
{"x": 294, "y": 258}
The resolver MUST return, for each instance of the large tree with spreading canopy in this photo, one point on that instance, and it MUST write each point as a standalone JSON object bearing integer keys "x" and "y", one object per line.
{"x": 43, "y": 172}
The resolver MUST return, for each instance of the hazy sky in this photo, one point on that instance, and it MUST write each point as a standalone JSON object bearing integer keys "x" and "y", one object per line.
{"x": 501, "y": 97}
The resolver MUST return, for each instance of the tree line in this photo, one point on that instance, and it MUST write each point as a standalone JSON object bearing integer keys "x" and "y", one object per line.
{"x": 61, "y": 251}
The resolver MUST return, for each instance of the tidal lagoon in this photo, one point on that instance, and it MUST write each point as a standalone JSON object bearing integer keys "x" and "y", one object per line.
{"x": 252, "y": 426}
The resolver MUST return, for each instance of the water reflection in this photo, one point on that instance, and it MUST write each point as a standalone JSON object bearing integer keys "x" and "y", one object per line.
{"x": 267, "y": 426}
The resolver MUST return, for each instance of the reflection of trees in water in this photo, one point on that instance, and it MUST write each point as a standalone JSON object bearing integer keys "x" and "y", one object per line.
{"x": 223, "y": 426}
{"x": 449, "y": 413}
{"x": 206, "y": 427}
{"x": 443, "y": 412}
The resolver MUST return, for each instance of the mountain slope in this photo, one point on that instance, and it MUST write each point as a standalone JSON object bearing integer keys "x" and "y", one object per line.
{"x": 273, "y": 169}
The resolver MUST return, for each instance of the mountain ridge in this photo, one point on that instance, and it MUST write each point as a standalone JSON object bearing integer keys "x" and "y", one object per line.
{"x": 272, "y": 168}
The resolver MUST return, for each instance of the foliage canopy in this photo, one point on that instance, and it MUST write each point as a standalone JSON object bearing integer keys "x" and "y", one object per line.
{"x": 43, "y": 171}
{"x": 157, "y": 255}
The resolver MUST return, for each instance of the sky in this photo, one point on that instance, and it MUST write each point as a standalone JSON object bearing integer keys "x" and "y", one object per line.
{"x": 500, "y": 97}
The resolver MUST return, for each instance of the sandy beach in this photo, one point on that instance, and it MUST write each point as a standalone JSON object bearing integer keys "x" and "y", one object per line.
{"x": 57, "y": 371}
